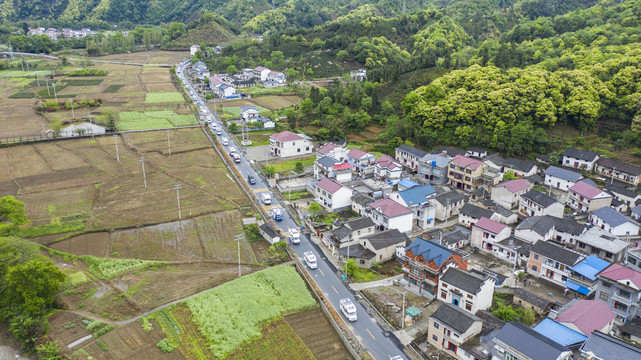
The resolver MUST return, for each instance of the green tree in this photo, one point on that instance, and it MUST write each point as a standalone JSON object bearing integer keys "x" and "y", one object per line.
{"x": 49, "y": 351}
{"x": 314, "y": 208}
{"x": 350, "y": 267}
{"x": 12, "y": 215}
{"x": 509, "y": 175}
{"x": 34, "y": 284}
{"x": 269, "y": 171}
{"x": 231, "y": 69}
{"x": 342, "y": 55}
{"x": 110, "y": 118}
{"x": 299, "y": 166}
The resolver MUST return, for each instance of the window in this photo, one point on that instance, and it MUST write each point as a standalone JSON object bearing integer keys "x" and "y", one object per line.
{"x": 535, "y": 268}
{"x": 444, "y": 285}
{"x": 307, "y": 148}
{"x": 536, "y": 256}
{"x": 470, "y": 296}
{"x": 435, "y": 325}
{"x": 444, "y": 294}
{"x": 468, "y": 306}
{"x": 605, "y": 284}
{"x": 604, "y": 296}
{"x": 623, "y": 293}
{"x": 297, "y": 150}
{"x": 620, "y": 306}
{"x": 435, "y": 338}
{"x": 447, "y": 332}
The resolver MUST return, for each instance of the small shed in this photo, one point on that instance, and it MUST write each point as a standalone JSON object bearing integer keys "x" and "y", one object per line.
{"x": 411, "y": 314}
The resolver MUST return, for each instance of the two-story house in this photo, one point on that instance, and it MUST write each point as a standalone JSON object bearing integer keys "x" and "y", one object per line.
{"x": 432, "y": 169}
{"x": 567, "y": 231}
{"x": 601, "y": 346}
{"x": 348, "y": 233}
{"x": 448, "y": 204}
{"x": 468, "y": 174}
{"x": 409, "y": 156}
{"x": 286, "y": 144}
{"x": 471, "y": 291}
{"x": 552, "y": 261}
{"x": 476, "y": 152}
{"x": 486, "y": 232}
{"x": 536, "y": 203}
{"x": 248, "y": 113}
{"x": 583, "y": 275}
{"x": 601, "y": 243}
{"x": 619, "y": 287}
{"x": 417, "y": 199}
{"x": 560, "y": 178}
{"x": 323, "y": 167}
{"x": 520, "y": 168}
{"x": 450, "y": 328}
{"x": 585, "y": 197}
{"x": 615, "y": 169}
{"x": 471, "y": 213}
{"x": 387, "y": 169}
{"x": 333, "y": 195}
{"x": 388, "y": 214}
{"x": 614, "y": 222}
{"x": 425, "y": 261}
{"x": 332, "y": 150}
{"x": 260, "y": 73}
{"x": 580, "y": 159}
{"x": 508, "y": 193}
{"x": 586, "y": 316}
{"x": 536, "y": 228}
{"x": 516, "y": 341}
{"x": 629, "y": 198}
{"x": 362, "y": 161}
{"x": 277, "y": 77}
{"x": 376, "y": 248}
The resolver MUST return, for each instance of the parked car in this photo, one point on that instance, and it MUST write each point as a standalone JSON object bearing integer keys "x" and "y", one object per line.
{"x": 310, "y": 259}
{"x": 251, "y": 180}
{"x": 294, "y": 236}
{"x": 348, "y": 309}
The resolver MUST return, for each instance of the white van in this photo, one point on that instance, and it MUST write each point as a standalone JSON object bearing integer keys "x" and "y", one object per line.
{"x": 224, "y": 141}
{"x": 266, "y": 198}
{"x": 218, "y": 131}
{"x": 294, "y": 236}
{"x": 310, "y": 259}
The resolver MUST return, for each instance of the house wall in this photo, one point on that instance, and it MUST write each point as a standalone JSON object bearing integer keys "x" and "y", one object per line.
{"x": 402, "y": 223}
{"x": 443, "y": 213}
{"x": 407, "y": 159}
{"x": 344, "y": 176}
{"x": 556, "y": 273}
{"x": 438, "y": 338}
{"x": 532, "y": 236}
{"x": 504, "y": 197}
{"x": 558, "y": 183}
{"x": 628, "y": 228}
{"x": 422, "y": 215}
{"x": 292, "y": 148}
{"x": 626, "y": 307}
{"x": 461, "y": 179}
{"x": 481, "y": 238}
{"x": 468, "y": 301}
{"x": 579, "y": 164}
{"x": 432, "y": 174}
{"x": 619, "y": 175}
{"x": 341, "y": 199}
{"x": 519, "y": 173}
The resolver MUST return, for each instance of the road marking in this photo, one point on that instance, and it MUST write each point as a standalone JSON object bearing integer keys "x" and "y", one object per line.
{"x": 337, "y": 293}
{"x": 272, "y": 207}
{"x": 321, "y": 271}
{"x": 256, "y": 191}
{"x": 232, "y": 180}
{"x": 370, "y": 334}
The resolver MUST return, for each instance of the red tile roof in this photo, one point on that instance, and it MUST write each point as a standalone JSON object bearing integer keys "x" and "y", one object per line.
{"x": 342, "y": 166}
{"x": 358, "y": 153}
{"x": 587, "y": 315}
{"x": 622, "y": 274}
{"x": 515, "y": 185}
{"x": 390, "y": 208}
{"x": 465, "y": 161}
{"x": 325, "y": 149}
{"x": 386, "y": 161}
{"x": 330, "y": 185}
{"x": 585, "y": 189}
{"x": 490, "y": 225}
{"x": 286, "y": 136}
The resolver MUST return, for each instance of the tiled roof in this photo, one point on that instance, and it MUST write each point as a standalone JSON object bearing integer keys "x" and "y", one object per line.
{"x": 247, "y": 107}
{"x": 564, "y": 174}
{"x": 359, "y": 223}
{"x": 454, "y": 317}
{"x": 329, "y": 185}
{"x": 412, "y": 150}
{"x": 390, "y": 208}
{"x": 465, "y": 161}
{"x": 519, "y": 164}
{"x": 260, "y": 68}
{"x": 619, "y": 166}
{"x": 325, "y": 149}
{"x": 476, "y": 212}
{"x": 586, "y": 190}
{"x": 539, "y": 224}
{"x": 580, "y": 154}
{"x": 556, "y": 252}
{"x": 327, "y": 161}
{"x": 587, "y": 315}
{"x": 621, "y": 191}
{"x": 387, "y": 162}
{"x": 342, "y": 166}
{"x": 430, "y": 251}
{"x": 529, "y": 342}
{"x": 449, "y": 197}
{"x": 490, "y": 225}
{"x": 569, "y": 226}
{"x": 417, "y": 195}
{"x": 607, "y": 347}
{"x": 358, "y": 154}
{"x": 387, "y": 238}
{"x": 464, "y": 280}
{"x": 619, "y": 272}
{"x": 611, "y": 216}
{"x": 515, "y": 185}
{"x": 286, "y": 136}
{"x": 435, "y": 160}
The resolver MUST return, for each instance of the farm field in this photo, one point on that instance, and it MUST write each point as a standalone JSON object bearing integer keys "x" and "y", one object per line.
{"x": 159, "y": 119}
{"x": 263, "y": 104}
{"x": 163, "y": 97}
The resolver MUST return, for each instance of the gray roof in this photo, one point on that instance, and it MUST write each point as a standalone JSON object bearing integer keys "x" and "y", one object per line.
{"x": 621, "y": 190}
{"x": 247, "y": 107}
{"x": 569, "y": 226}
{"x": 449, "y": 197}
{"x": 611, "y": 216}
{"x": 539, "y": 198}
{"x": 362, "y": 199}
{"x": 589, "y": 182}
{"x": 539, "y": 224}
{"x": 449, "y": 151}
{"x": 440, "y": 161}
{"x": 456, "y": 318}
{"x": 502, "y": 211}
{"x": 580, "y": 154}
{"x": 495, "y": 159}
{"x": 607, "y": 347}
{"x": 357, "y": 251}
{"x": 563, "y": 173}
{"x": 619, "y": 166}
{"x": 359, "y": 223}
{"x": 476, "y": 212}
{"x": 412, "y": 150}
{"x": 450, "y": 238}
{"x": 519, "y": 164}
{"x": 533, "y": 298}
{"x": 269, "y": 230}
{"x": 464, "y": 280}
{"x": 387, "y": 238}
{"x": 341, "y": 233}
{"x": 636, "y": 210}
{"x": 556, "y": 252}
{"x": 327, "y": 161}
{"x": 529, "y": 342}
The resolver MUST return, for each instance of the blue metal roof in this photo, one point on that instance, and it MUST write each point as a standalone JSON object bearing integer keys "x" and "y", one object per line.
{"x": 576, "y": 287}
{"x": 407, "y": 183}
{"x": 417, "y": 195}
{"x": 430, "y": 251}
{"x": 559, "y": 333}
{"x": 589, "y": 267}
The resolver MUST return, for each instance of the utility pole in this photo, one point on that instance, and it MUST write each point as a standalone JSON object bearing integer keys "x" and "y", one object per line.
{"x": 48, "y": 91}
{"x": 11, "y": 52}
{"x": 54, "y": 92}
{"x": 144, "y": 176}
{"x": 238, "y": 238}
{"x": 403, "y": 314}
{"x": 168, "y": 142}
{"x": 73, "y": 114}
{"x": 116, "y": 140}
{"x": 612, "y": 175}
{"x": 22, "y": 64}
{"x": 37, "y": 79}
{"x": 177, "y": 188}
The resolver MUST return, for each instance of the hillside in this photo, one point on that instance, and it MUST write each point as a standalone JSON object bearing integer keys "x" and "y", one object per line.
{"x": 205, "y": 32}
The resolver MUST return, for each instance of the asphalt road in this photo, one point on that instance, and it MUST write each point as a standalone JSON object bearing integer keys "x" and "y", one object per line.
{"x": 379, "y": 343}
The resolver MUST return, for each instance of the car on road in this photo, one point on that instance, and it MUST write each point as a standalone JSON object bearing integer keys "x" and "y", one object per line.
{"x": 277, "y": 214}
{"x": 251, "y": 180}
{"x": 219, "y": 132}
{"x": 294, "y": 236}
{"x": 266, "y": 198}
{"x": 236, "y": 158}
{"x": 310, "y": 259}
{"x": 224, "y": 141}
{"x": 232, "y": 150}
{"x": 348, "y": 309}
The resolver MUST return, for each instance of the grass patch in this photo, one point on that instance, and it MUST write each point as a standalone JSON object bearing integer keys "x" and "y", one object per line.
{"x": 296, "y": 195}
{"x": 102, "y": 345}
{"x": 147, "y": 325}
{"x": 88, "y": 72}
{"x": 109, "y": 268}
{"x": 260, "y": 90}
{"x": 288, "y": 165}
{"x": 235, "y": 110}
{"x": 22, "y": 95}
{"x": 366, "y": 275}
{"x": 76, "y": 279}
{"x": 166, "y": 345}
{"x": 51, "y": 229}
{"x": 134, "y": 120}
{"x": 83, "y": 82}
{"x": 231, "y": 314}
{"x": 163, "y": 97}
{"x": 279, "y": 341}
{"x": 112, "y": 89}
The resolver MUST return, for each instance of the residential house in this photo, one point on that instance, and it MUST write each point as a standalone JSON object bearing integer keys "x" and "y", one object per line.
{"x": 494, "y": 161}
{"x": 242, "y": 83}
{"x": 450, "y": 328}
{"x": 277, "y": 77}
{"x": 358, "y": 75}
{"x": 452, "y": 240}
{"x": 536, "y": 203}
{"x": 362, "y": 161}
{"x": 248, "y": 73}
{"x": 561, "y": 179}
{"x": 635, "y": 213}
{"x": 417, "y": 200}
{"x": 449, "y": 152}
{"x": 580, "y": 159}
{"x": 406, "y": 184}
{"x": 536, "y": 228}
{"x": 512, "y": 250}
{"x": 425, "y": 261}
{"x": 586, "y": 316}
{"x": 600, "y": 346}
{"x": 487, "y": 232}
{"x": 225, "y": 91}
{"x": 376, "y": 248}
{"x": 504, "y": 215}
{"x": 508, "y": 193}
{"x": 551, "y": 261}
{"x": 432, "y": 169}
{"x": 248, "y": 113}
{"x": 517, "y": 341}
{"x": 628, "y": 197}
{"x": 448, "y": 204}
{"x": 520, "y": 168}
{"x": 583, "y": 275}
{"x": 333, "y": 195}
{"x": 330, "y": 149}
{"x": 620, "y": 288}
{"x": 468, "y": 174}
{"x": 260, "y": 73}
{"x": 348, "y": 233}
{"x": 194, "y": 49}
{"x": 387, "y": 169}
{"x": 560, "y": 333}
{"x": 633, "y": 259}
{"x": 409, "y": 156}
{"x": 585, "y": 197}
{"x": 599, "y": 242}
{"x": 471, "y": 291}
{"x": 471, "y": 213}
{"x": 342, "y": 172}
{"x": 286, "y": 144}
{"x": 613, "y": 222}
{"x": 323, "y": 167}
{"x": 268, "y": 124}
{"x": 269, "y": 233}
{"x": 360, "y": 203}
{"x": 567, "y": 231}
{"x": 476, "y": 152}
{"x": 540, "y": 305}
{"x": 615, "y": 169}
{"x": 388, "y": 214}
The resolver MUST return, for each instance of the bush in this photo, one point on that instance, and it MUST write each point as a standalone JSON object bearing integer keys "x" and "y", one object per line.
{"x": 49, "y": 351}
{"x": 147, "y": 325}
{"x": 165, "y": 345}
{"x": 88, "y": 72}
{"x": 108, "y": 268}
{"x": 102, "y": 345}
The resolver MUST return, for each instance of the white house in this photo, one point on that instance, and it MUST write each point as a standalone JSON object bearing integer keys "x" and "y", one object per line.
{"x": 552, "y": 262}
{"x": 348, "y": 233}
{"x": 486, "y": 232}
{"x": 448, "y": 204}
{"x": 585, "y": 197}
{"x": 225, "y": 91}
{"x": 268, "y": 124}
{"x": 277, "y": 77}
{"x": 387, "y": 169}
{"x": 388, "y": 214}
{"x": 471, "y": 213}
{"x": 560, "y": 178}
{"x": 342, "y": 172}
{"x": 476, "y": 152}
{"x": 194, "y": 49}
{"x": 627, "y": 197}
{"x": 409, "y": 156}
{"x": 508, "y": 193}
{"x": 287, "y": 144}
{"x": 260, "y": 73}
{"x": 536, "y": 228}
{"x": 520, "y": 168}
{"x": 536, "y": 203}
{"x": 323, "y": 167}
{"x": 580, "y": 159}
{"x": 332, "y": 195}
{"x": 248, "y": 113}
{"x": 567, "y": 231}
{"x": 450, "y": 328}
{"x": 470, "y": 291}
{"x": 330, "y": 149}
{"x": 614, "y": 169}
{"x": 598, "y": 242}
{"x": 614, "y": 222}
{"x": 362, "y": 161}
{"x": 417, "y": 200}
